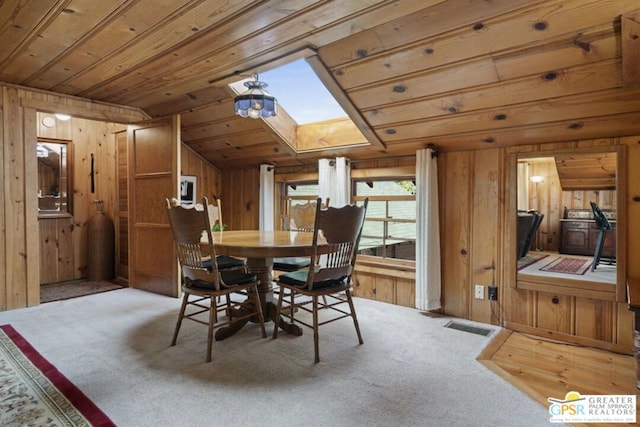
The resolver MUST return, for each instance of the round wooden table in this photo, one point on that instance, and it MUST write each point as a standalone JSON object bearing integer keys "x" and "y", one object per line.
{"x": 260, "y": 247}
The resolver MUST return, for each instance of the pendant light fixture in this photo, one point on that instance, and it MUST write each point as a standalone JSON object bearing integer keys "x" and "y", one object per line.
{"x": 256, "y": 102}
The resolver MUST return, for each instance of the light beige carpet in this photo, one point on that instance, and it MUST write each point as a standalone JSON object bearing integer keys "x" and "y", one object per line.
{"x": 410, "y": 371}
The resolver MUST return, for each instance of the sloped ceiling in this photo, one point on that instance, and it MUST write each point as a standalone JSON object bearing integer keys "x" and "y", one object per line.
{"x": 587, "y": 171}
{"x": 455, "y": 75}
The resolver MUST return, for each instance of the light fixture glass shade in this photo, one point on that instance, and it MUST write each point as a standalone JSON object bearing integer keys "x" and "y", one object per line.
{"x": 63, "y": 117}
{"x": 256, "y": 102}
{"x": 536, "y": 178}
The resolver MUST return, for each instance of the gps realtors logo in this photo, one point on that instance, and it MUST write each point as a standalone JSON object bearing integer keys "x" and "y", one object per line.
{"x": 576, "y": 408}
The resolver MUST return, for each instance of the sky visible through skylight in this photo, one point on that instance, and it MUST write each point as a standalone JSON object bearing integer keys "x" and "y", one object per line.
{"x": 299, "y": 91}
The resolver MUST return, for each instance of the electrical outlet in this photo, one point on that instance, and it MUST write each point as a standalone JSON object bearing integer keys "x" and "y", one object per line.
{"x": 479, "y": 292}
{"x": 492, "y": 292}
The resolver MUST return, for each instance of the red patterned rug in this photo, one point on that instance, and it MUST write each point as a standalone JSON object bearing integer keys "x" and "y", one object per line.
{"x": 568, "y": 265}
{"x": 35, "y": 393}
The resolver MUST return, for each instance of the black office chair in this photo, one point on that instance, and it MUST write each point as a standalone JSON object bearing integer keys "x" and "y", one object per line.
{"x": 605, "y": 227}
{"x": 537, "y": 220}
{"x": 528, "y": 223}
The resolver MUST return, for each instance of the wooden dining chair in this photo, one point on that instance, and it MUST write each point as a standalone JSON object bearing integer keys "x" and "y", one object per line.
{"x": 214, "y": 213}
{"x": 336, "y": 236}
{"x": 203, "y": 282}
{"x": 299, "y": 217}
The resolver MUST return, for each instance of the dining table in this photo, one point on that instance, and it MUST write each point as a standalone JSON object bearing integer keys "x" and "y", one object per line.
{"x": 260, "y": 247}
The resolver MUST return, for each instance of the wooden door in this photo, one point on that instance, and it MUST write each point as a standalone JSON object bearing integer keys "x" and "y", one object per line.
{"x": 122, "y": 215}
{"x": 154, "y": 157}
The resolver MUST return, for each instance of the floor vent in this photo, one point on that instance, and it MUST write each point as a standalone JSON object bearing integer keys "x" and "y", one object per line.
{"x": 468, "y": 328}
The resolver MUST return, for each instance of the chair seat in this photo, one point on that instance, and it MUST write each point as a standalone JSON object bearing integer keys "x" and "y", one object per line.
{"x": 224, "y": 262}
{"x": 230, "y": 278}
{"x": 291, "y": 263}
{"x": 299, "y": 279}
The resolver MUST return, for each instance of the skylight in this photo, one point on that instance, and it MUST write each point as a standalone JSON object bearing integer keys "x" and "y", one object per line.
{"x": 301, "y": 93}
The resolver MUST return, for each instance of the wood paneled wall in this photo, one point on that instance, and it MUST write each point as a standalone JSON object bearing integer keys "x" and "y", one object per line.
{"x": 209, "y": 179}
{"x": 473, "y": 191}
{"x": 63, "y": 241}
{"x": 549, "y": 197}
{"x": 241, "y": 199}
{"x": 19, "y": 230}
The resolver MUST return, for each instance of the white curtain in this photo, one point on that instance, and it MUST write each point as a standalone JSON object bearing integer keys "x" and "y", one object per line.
{"x": 266, "y": 197}
{"x": 342, "y": 187}
{"x": 428, "y": 275}
{"x": 334, "y": 181}
{"x": 326, "y": 178}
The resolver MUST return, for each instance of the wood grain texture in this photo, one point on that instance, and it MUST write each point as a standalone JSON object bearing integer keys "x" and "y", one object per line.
{"x": 630, "y": 37}
{"x": 458, "y": 75}
{"x": 545, "y": 368}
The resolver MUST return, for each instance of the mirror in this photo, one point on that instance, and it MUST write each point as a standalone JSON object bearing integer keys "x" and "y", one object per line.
{"x": 555, "y": 230}
{"x": 54, "y": 177}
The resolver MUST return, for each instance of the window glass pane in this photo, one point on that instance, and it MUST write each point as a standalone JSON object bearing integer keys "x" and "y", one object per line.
{"x": 402, "y": 209}
{"x": 390, "y": 201}
{"x": 401, "y": 231}
{"x": 385, "y": 188}
{"x": 302, "y": 190}
{"x": 377, "y": 209}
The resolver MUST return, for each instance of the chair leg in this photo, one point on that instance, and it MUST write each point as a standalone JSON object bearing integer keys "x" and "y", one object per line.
{"x": 183, "y": 307}
{"x": 315, "y": 329}
{"x": 355, "y": 317}
{"x": 276, "y": 322}
{"x": 213, "y": 310}
{"x": 598, "y": 252}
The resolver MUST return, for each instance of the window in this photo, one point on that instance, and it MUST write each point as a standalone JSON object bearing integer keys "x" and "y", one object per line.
{"x": 288, "y": 82}
{"x": 296, "y": 193}
{"x": 55, "y": 195}
{"x": 390, "y": 225}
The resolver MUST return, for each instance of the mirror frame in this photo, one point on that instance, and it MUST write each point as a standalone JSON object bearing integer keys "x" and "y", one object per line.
{"x": 569, "y": 286}
{"x": 69, "y": 161}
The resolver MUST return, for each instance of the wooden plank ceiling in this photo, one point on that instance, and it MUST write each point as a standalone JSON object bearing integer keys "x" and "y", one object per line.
{"x": 457, "y": 74}
{"x": 587, "y": 171}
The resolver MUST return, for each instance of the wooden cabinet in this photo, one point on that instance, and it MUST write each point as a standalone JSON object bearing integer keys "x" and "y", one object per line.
{"x": 579, "y": 238}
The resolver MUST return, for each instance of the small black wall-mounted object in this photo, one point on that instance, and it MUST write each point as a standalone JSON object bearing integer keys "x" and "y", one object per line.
{"x": 93, "y": 182}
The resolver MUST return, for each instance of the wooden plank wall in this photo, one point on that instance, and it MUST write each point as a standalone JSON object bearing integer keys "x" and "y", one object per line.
{"x": 473, "y": 189}
{"x": 241, "y": 199}
{"x": 63, "y": 241}
{"x": 19, "y": 241}
{"x": 548, "y": 197}
{"x": 209, "y": 179}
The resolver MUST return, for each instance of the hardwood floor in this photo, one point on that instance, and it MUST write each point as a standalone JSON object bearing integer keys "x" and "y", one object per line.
{"x": 543, "y": 368}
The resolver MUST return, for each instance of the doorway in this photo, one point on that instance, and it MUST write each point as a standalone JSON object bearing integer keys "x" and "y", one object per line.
{"x": 561, "y": 186}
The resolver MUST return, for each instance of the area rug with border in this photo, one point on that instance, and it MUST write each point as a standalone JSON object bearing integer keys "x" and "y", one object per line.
{"x": 34, "y": 393}
{"x": 529, "y": 259}
{"x": 568, "y": 265}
